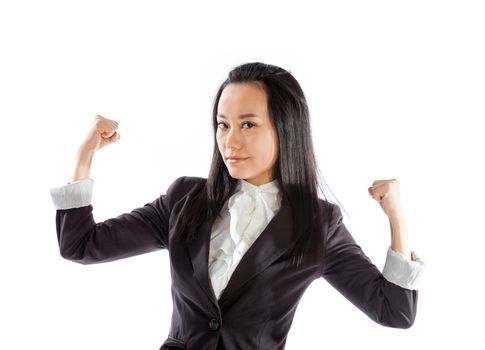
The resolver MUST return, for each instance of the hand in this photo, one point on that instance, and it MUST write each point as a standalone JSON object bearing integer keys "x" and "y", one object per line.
{"x": 103, "y": 132}
{"x": 386, "y": 192}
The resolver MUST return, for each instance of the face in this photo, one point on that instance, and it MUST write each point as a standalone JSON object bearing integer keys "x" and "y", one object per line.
{"x": 245, "y": 130}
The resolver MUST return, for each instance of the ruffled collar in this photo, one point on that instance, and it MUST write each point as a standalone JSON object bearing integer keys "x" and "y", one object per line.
{"x": 269, "y": 193}
{"x": 269, "y": 187}
{"x": 251, "y": 207}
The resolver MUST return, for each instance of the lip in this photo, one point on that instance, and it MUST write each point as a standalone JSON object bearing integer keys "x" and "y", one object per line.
{"x": 235, "y": 159}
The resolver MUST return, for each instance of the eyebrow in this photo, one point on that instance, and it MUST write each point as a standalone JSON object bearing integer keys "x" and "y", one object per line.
{"x": 242, "y": 116}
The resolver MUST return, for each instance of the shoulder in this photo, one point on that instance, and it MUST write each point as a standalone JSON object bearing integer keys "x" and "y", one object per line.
{"x": 331, "y": 211}
{"x": 187, "y": 181}
{"x": 185, "y": 184}
{"x": 331, "y": 215}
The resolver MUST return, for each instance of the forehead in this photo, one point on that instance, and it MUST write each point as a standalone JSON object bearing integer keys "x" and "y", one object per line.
{"x": 242, "y": 98}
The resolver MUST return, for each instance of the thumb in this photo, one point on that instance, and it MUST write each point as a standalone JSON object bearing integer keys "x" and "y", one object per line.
{"x": 108, "y": 134}
{"x": 115, "y": 137}
{"x": 371, "y": 193}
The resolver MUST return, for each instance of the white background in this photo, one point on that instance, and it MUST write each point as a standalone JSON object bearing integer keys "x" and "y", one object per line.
{"x": 395, "y": 90}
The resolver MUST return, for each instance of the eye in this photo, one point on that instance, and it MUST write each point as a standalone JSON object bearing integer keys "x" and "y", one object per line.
{"x": 248, "y": 123}
{"x": 218, "y": 124}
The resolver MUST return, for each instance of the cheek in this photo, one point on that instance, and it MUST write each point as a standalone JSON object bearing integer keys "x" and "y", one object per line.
{"x": 270, "y": 144}
{"x": 219, "y": 141}
{"x": 274, "y": 149}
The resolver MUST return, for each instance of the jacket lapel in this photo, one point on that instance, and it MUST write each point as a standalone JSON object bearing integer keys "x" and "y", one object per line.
{"x": 199, "y": 255}
{"x": 276, "y": 238}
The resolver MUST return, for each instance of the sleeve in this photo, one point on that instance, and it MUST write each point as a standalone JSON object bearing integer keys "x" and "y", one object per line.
{"x": 351, "y": 272}
{"x": 406, "y": 272}
{"x": 82, "y": 240}
{"x": 73, "y": 195}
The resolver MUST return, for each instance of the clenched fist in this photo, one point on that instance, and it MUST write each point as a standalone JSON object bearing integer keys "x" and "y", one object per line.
{"x": 386, "y": 192}
{"x": 103, "y": 132}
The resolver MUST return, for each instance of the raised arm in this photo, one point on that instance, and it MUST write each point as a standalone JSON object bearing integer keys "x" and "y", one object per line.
{"x": 84, "y": 241}
{"x": 352, "y": 273}
{"x": 389, "y": 298}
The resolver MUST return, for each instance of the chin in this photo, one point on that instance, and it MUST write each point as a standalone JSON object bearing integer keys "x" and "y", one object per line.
{"x": 237, "y": 175}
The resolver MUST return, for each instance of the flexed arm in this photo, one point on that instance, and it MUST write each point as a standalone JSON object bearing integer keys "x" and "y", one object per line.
{"x": 403, "y": 267}
{"x": 80, "y": 238}
{"x": 389, "y": 298}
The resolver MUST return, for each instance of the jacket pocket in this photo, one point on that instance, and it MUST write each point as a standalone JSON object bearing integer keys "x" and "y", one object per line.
{"x": 173, "y": 344}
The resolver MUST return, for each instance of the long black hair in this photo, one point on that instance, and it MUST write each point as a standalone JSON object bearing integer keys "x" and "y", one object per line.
{"x": 295, "y": 168}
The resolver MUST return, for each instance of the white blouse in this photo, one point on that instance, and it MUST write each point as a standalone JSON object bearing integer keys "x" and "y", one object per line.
{"x": 243, "y": 217}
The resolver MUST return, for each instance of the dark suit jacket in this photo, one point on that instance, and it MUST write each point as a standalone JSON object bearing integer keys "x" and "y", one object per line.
{"x": 256, "y": 309}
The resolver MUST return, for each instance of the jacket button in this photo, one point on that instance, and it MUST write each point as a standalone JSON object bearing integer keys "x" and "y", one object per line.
{"x": 214, "y": 324}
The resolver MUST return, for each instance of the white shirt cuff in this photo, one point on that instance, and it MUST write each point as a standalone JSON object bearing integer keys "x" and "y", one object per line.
{"x": 73, "y": 195}
{"x": 405, "y": 272}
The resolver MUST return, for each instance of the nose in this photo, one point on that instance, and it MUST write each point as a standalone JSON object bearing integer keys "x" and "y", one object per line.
{"x": 233, "y": 139}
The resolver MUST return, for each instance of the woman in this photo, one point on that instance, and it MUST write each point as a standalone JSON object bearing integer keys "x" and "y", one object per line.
{"x": 246, "y": 242}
